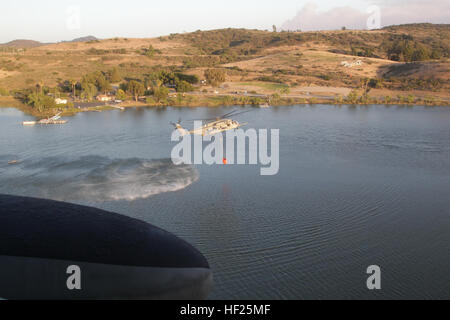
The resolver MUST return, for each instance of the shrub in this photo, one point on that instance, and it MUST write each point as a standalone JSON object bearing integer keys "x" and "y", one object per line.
{"x": 4, "y": 92}
{"x": 184, "y": 86}
{"x": 411, "y": 99}
{"x": 269, "y": 79}
{"x": 387, "y": 99}
{"x": 215, "y": 76}
{"x": 285, "y": 90}
{"x": 352, "y": 97}
{"x": 120, "y": 95}
{"x": 160, "y": 93}
{"x": 192, "y": 79}
{"x": 275, "y": 98}
{"x": 150, "y": 101}
{"x": 150, "y": 51}
{"x": 338, "y": 99}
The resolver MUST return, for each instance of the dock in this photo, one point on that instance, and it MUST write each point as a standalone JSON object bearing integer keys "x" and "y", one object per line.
{"x": 53, "y": 120}
{"x": 44, "y": 121}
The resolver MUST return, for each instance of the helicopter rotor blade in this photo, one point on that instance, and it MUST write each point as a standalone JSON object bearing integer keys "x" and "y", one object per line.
{"x": 215, "y": 118}
{"x": 237, "y": 112}
{"x": 193, "y": 120}
{"x": 242, "y": 112}
{"x": 229, "y": 114}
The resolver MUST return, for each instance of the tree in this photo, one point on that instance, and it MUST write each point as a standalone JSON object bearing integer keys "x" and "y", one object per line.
{"x": 179, "y": 98}
{"x": 39, "y": 86}
{"x": 192, "y": 79}
{"x": 184, "y": 86}
{"x": 103, "y": 84}
{"x": 115, "y": 76}
{"x": 73, "y": 84}
{"x": 56, "y": 92}
{"x": 136, "y": 89}
{"x": 215, "y": 76}
{"x": 365, "y": 85}
{"x": 40, "y": 101}
{"x": 89, "y": 91}
{"x": 408, "y": 52}
{"x": 274, "y": 28}
{"x": 420, "y": 54}
{"x": 160, "y": 93}
{"x": 98, "y": 79}
{"x": 120, "y": 95}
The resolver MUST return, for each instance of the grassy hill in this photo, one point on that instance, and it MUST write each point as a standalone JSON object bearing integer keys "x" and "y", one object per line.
{"x": 23, "y": 44}
{"x": 407, "y": 57}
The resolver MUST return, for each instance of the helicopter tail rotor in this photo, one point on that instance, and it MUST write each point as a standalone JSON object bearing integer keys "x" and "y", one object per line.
{"x": 176, "y": 124}
{"x": 180, "y": 129}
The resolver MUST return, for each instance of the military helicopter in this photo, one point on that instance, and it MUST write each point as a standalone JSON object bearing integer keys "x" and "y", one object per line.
{"x": 213, "y": 126}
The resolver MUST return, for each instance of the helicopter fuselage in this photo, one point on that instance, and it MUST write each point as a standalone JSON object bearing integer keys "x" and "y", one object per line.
{"x": 213, "y": 128}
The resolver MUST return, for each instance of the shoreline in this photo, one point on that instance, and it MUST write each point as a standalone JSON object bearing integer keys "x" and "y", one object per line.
{"x": 209, "y": 102}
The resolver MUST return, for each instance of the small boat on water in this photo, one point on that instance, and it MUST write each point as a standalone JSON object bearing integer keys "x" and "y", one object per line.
{"x": 264, "y": 106}
{"x": 14, "y": 162}
{"x": 29, "y": 123}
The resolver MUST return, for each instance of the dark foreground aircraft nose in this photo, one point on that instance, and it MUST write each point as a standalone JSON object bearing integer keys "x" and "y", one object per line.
{"x": 56, "y": 250}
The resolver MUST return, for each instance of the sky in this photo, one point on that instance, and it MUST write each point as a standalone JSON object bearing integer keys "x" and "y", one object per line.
{"x": 52, "y": 21}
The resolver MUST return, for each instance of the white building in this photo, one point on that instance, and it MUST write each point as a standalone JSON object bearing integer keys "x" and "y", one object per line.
{"x": 60, "y": 101}
{"x": 104, "y": 98}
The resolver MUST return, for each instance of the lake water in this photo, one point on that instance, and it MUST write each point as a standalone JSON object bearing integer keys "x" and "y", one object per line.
{"x": 357, "y": 186}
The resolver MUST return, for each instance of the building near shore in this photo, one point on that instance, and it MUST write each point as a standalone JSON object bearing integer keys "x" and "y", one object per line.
{"x": 60, "y": 101}
{"x": 104, "y": 98}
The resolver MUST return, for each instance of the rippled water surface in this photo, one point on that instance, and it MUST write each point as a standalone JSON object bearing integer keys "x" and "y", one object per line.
{"x": 357, "y": 186}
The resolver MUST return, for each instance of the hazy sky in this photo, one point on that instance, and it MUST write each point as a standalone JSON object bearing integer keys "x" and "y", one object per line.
{"x": 51, "y": 21}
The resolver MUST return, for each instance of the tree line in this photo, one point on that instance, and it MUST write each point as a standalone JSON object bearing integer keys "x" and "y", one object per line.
{"x": 156, "y": 84}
